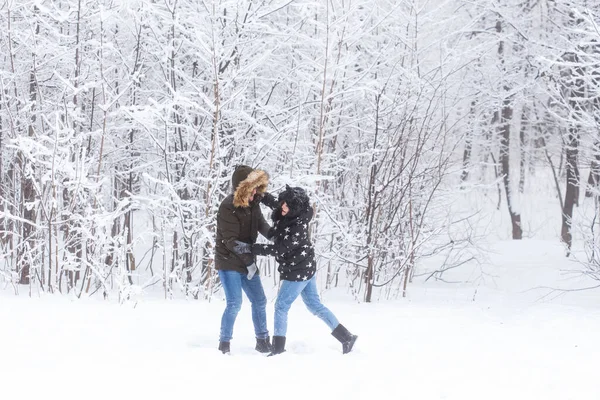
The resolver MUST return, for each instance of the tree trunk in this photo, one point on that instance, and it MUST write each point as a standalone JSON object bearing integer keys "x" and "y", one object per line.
{"x": 523, "y": 147}
{"x": 3, "y": 180}
{"x": 129, "y": 259}
{"x": 515, "y": 216}
{"x": 468, "y": 148}
{"x": 594, "y": 177}
{"x": 28, "y": 196}
{"x": 28, "y": 230}
{"x": 370, "y": 212}
{"x": 571, "y": 195}
{"x": 73, "y": 238}
{"x": 505, "y": 120}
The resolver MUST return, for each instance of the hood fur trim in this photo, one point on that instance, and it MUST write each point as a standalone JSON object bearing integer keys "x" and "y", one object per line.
{"x": 257, "y": 179}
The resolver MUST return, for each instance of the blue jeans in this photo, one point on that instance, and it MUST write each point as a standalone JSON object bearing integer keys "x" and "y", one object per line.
{"x": 233, "y": 283}
{"x": 289, "y": 292}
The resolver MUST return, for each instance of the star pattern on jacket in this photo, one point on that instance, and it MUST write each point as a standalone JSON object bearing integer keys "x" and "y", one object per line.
{"x": 291, "y": 248}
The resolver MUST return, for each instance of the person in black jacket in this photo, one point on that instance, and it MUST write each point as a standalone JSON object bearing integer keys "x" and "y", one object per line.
{"x": 295, "y": 255}
{"x": 240, "y": 219}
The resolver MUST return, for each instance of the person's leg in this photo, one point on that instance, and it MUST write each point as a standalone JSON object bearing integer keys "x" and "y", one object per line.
{"x": 288, "y": 292}
{"x": 310, "y": 296}
{"x": 313, "y": 303}
{"x": 232, "y": 286}
{"x": 254, "y": 290}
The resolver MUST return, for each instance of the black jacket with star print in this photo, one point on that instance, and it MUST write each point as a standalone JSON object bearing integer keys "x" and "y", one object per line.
{"x": 292, "y": 248}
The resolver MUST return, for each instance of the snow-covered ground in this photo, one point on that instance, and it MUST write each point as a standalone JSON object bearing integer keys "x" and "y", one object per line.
{"x": 496, "y": 337}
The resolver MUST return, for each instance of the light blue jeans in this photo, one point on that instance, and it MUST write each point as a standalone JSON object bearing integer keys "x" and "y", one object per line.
{"x": 233, "y": 283}
{"x": 289, "y": 292}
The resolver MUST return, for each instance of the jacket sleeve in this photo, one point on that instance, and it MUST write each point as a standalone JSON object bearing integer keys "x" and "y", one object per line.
{"x": 264, "y": 249}
{"x": 290, "y": 242}
{"x": 269, "y": 200}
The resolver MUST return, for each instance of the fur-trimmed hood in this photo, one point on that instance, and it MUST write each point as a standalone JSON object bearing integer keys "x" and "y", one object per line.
{"x": 257, "y": 179}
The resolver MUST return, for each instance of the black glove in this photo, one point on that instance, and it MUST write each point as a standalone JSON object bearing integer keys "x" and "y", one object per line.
{"x": 269, "y": 200}
{"x": 241, "y": 248}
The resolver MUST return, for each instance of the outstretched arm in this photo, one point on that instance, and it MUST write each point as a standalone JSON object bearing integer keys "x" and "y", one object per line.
{"x": 291, "y": 240}
{"x": 269, "y": 200}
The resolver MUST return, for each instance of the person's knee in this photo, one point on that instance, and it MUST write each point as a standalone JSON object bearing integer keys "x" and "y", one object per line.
{"x": 315, "y": 308}
{"x": 260, "y": 301}
{"x": 234, "y": 306}
{"x": 314, "y": 311}
{"x": 281, "y": 306}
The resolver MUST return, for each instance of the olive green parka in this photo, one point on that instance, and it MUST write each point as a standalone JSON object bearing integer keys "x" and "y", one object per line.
{"x": 239, "y": 219}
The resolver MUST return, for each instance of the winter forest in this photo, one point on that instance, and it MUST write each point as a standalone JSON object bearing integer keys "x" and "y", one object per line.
{"x": 414, "y": 125}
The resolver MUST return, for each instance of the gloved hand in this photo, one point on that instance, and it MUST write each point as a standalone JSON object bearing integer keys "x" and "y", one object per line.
{"x": 241, "y": 248}
{"x": 252, "y": 268}
{"x": 269, "y": 200}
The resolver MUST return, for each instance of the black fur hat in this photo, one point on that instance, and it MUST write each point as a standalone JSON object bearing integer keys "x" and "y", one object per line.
{"x": 296, "y": 199}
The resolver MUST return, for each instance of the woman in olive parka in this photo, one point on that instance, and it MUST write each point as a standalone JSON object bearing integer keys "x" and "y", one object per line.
{"x": 240, "y": 219}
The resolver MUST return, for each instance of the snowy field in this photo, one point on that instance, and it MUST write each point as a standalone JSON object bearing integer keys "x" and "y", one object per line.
{"x": 493, "y": 338}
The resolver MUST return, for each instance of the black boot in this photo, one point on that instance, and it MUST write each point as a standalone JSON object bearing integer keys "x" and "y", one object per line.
{"x": 345, "y": 338}
{"x": 263, "y": 345}
{"x": 224, "y": 347}
{"x": 278, "y": 345}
